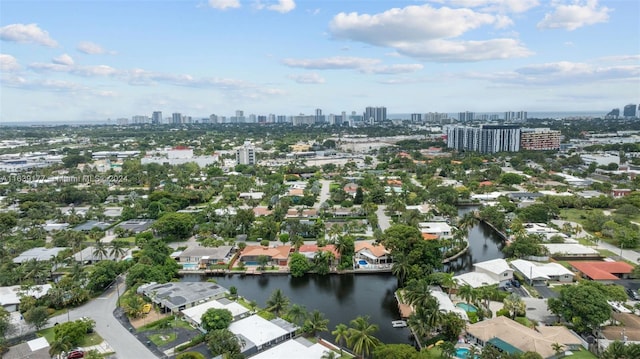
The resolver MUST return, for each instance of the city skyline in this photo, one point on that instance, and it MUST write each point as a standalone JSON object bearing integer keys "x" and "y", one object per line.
{"x": 90, "y": 61}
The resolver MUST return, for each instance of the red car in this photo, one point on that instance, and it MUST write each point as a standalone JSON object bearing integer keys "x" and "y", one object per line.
{"x": 75, "y": 354}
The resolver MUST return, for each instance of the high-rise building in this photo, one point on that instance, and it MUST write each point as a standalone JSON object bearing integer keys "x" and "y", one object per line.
{"x": 176, "y": 118}
{"x": 466, "y": 116}
{"x": 139, "y": 120}
{"x": 486, "y": 139}
{"x": 156, "y": 117}
{"x": 246, "y": 154}
{"x": 319, "y": 116}
{"x": 539, "y": 139}
{"x": 373, "y": 115}
{"x": 613, "y": 114}
{"x": 630, "y": 110}
{"x": 213, "y": 118}
{"x": 416, "y": 117}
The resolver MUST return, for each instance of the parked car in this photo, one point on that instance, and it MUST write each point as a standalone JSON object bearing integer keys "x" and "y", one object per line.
{"x": 633, "y": 294}
{"x": 75, "y": 354}
{"x": 516, "y": 283}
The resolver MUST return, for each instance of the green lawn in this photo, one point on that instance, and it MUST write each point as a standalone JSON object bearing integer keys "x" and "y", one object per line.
{"x": 582, "y": 354}
{"x": 89, "y": 339}
{"x": 162, "y": 338}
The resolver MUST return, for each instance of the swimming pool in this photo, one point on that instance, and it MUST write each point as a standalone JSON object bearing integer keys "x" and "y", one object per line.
{"x": 467, "y": 307}
{"x": 189, "y": 266}
{"x": 463, "y": 353}
{"x": 362, "y": 262}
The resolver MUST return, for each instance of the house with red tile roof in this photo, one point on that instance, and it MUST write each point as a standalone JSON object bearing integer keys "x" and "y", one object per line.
{"x": 375, "y": 254}
{"x": 602, "y": 271}
{"x": 277, "y": 255}
{"x": 310, "y": 251}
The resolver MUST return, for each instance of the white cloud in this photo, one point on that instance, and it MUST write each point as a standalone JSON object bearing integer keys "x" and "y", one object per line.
{"x": 63, "y": 59}
{"x": 224, "y": 4}
{"x": 574, "y": 16}
{"x": 283, "y": 6}
{"x": 8, "y": 63}
{"x": 311, "y": 78}
{"x": 30, "y": 33}
{"x": 564, "y": 72}
{"x": 465, "y": 51}
{"x": 514, "y": 6}
{"x": 429, "y": 33}
{"x": 90, "y": 48}
{"x": 394, "y": 69}
{"x": 328, "y": 63}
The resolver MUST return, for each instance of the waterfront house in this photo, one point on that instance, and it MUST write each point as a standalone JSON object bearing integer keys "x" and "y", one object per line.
{"x": 493, "y": 272}
{"x": 259, "y": 334}
{"x": 440, "y": 229}
{"x": 373, "y": 254}
{"x": 310, "y": 251}
{"x": 295, "y": 348}
{"x": 512, "y": 337}
{"x": 602, "y": 271}
{"x": 198, "y": 257}
{"x": 176, "y": 296}
{"x": 277, "y": 255}
{"x": 194, "y": 314}
{"x": 541, "y": 273}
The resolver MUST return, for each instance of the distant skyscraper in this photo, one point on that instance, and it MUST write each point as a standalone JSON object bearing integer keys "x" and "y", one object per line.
{"x": 486, "y": 139}
{"x": 630, "y": 110}
{"x": 416, "y": 117}
{"x": 373, "y": 115}
{"x": 539, "y": 139}
{"x": 246, "y": 154}
{"x": 156, "y": 117}
{"x": 176, "y": 118}
{"x": 465, "y": 116}
{"x": 319, "y": 116}
{"x": 613, "y": 114}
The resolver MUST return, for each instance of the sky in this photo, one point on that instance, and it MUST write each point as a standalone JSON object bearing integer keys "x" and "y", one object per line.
{"x": 96, "y": 60}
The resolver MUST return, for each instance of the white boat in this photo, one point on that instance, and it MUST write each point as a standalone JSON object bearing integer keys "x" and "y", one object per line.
{"x": 399, "y": 323}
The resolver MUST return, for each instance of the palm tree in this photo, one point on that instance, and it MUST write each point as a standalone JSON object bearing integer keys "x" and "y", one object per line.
{"x": 100, "y": 250}
{"x": 467, "y": 293}
{"x": 401, "y": 268}
{"x": 297, "y": 313}
{"x": 361, "y": 339}
{"x": 59, "y": 346}
{"x": 262, "y": 262}
{"x": 341, "y": 333}
{"x": 277, "y": 302}
{"x": 316, "y": 322}
{"x": 515, "y": 305}
{"x": 118, "y": 249}
{"x": 329, "y": 355}
{"x": 449, "y": 282}
{"x": 557, "y": 348}
{"x": 417, "y": 293}
{"x": 35, "y": 270}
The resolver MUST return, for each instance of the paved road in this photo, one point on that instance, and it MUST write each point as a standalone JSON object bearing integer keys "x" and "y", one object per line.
{"x": 101, "y": 310}
{"x": 627, "y": 254}
{"x": 384, "y": 221}
{"x": 324, "y": 192}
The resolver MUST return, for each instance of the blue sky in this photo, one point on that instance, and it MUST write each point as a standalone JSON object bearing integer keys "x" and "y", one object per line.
{"x": 93, "y": 60}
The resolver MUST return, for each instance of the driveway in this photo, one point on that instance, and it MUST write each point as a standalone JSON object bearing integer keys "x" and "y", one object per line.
{"x": 546, "y": 292}
{"x": 384, "y": 221}
{"x": 324, "y": 193}
{"x": 537, "y": 310}
{"x": 101, "y": 310}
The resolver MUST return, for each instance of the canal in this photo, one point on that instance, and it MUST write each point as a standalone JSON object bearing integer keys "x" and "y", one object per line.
{"x": 344, "y": 297}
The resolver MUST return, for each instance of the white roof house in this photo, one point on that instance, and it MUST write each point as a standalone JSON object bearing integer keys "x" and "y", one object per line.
{"x": 258, "y": 333}
{"x": 10, "y": 296}
{"x": 475, "y": 279}
{"x": 542, "y": 272}
{"x": 571, "y": 250}
{"x": 194, "y": 314}
{"x": 498, "y": 269}
{"x": 446, "y": 305}
{"x": 294, "y": 349}
{"x": 440, "y": 229}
